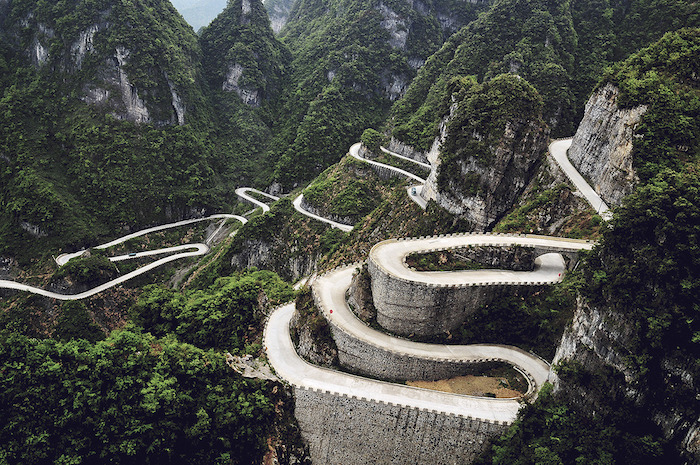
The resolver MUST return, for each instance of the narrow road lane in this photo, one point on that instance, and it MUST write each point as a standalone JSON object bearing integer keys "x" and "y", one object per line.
{"x": 559, "y": 149}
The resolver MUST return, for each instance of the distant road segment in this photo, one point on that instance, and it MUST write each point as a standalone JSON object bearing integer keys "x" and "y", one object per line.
{"x": 242, "y": 192}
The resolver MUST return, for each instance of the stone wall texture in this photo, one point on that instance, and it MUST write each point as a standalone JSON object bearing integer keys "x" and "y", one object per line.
{"x": 410, "y": 307}
{"x": 602, "y": 147}
{"x": 349, "y": 431}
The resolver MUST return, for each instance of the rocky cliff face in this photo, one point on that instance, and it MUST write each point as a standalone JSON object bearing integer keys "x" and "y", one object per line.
{"x": 602, "y": 147}
{"x": 597, "y": 349}
{"x": 486, "y": 160}
{"x": 133, "y": 75}
{"x": 241, "y": 55}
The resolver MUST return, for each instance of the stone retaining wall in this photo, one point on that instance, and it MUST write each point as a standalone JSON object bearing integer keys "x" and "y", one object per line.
{"x": 409, "y": 307}
{"x": 343, "y": 430}
{"x": 406, "y": 307}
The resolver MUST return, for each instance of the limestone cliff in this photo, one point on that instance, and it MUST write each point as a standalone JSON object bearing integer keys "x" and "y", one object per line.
{"x": 241, "y": 56}
{"x": 116, "y": 56}
{"x": 596, "y": 352}
{"x": 311, "y": 333}
{"x": 488, "y": 152}
{"x": 602, "y": 147}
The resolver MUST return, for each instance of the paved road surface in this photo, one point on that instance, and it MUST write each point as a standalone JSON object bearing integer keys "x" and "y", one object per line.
{"x": 64, "y": 258}
{"x": 355, "y": 153}
{"x": 290, "y": 367}
{"x": 297, "y": 206}
{"x": 331, "y": 289}
{"x": 420, "y": 163}
{"x": 200, "y": 249}
{"x": 550, "y": 267}
{"x": 242, "y": 193}
{"x": 558, "y": 149}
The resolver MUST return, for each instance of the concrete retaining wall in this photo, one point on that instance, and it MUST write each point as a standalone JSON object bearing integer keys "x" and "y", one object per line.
{"x": 409, "y": 307}
{"x": 405, "y": 307}
{"x": 370, "y": 360}
{"x": 349, "y": 431}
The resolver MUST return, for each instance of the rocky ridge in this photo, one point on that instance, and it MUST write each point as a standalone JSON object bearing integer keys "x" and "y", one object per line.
{"x": 602, "y": 147}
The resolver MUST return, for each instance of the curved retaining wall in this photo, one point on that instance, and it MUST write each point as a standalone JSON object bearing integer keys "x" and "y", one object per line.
{"x": 407, "y": 307}
{"x": 386, "y": 363}
{"x": 343, "y": 430}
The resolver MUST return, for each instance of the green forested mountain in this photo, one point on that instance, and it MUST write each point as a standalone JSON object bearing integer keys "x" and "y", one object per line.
{"x": 104, "y": 120}
{"x": 350, "y": 60}
{"x": 559, "y": 47}
{"x": 247, "y": 71}
{"x": 115, "y": 114}
{"x": 643, "y": 278}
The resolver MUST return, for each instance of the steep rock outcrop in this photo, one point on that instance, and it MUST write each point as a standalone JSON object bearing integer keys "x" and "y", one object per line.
{"x": 360, "y": 296}
{"x": 242, "y": 56}
{"x": 270, "y": 256}
{"x": 489, "y": 151}
{"x": 311, "y": 333}
{"x": 602, "y": 147}
{"x": 118, "y": 56}
{"x": 596, "y": 348}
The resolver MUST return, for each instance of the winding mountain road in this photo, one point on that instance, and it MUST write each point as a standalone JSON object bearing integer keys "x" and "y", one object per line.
{"x": 242, "y": 192}
{"x": 298, "y": 207}
{"x": 66, "y": 257}
{"x": 330, "y": 290}
{"x": 559, "y": 150}
{"x": 199, "y": 249}
{"x": 290, "y": 367}
{"x": 549, "y": 268}
{"x": 332, "y": 287}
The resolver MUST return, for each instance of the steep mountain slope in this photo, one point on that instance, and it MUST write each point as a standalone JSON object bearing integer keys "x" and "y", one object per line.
{"x": 560, "y": 47}
{"x": 493, "y": 140}
{"x": 351, "y": 59}
{"x": 628, "y": 366}
{"x": 247, "y": 70}
{"x": 104, "y": 121}
{"x": 278, "y": 11}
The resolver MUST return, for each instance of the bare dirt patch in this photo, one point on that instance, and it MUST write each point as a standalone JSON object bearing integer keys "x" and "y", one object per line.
{"x": 484, "y": 386}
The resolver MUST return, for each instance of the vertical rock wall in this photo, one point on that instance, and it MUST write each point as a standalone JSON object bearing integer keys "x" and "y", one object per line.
{"x": 351, "y": 431}
{"x": 602, "y": 147}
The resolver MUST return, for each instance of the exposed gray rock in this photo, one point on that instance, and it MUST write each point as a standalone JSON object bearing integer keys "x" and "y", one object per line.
{"x": 40, "y": 54}
{"x": 601, "y": 340}
{"x": 500, "y": 181}
{"x": 406, "y": 150}
{"x": 83, "y": 45}
{"x": 135, "y": 108}
{"x": 312, "y": 348}
{"x": 250, "y": 97}
{"x": 33, "y": 229}
{"x": 178, "y": 104}
{"x": 292, "y": 266}
{"x": 394, "y": 85}
{"x": 360, "y": 296}
{"x": 395, "y": 25}
{"x": 317, "y": 211}
{"x": 602, "y": 147}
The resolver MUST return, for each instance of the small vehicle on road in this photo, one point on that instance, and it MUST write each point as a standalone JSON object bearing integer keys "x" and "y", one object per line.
{"x": 132, "y": 254}
{"x": 413, "y": 191}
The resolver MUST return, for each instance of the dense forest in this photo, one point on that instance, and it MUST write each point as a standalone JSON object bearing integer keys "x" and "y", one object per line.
{"x": 116, "y": 115}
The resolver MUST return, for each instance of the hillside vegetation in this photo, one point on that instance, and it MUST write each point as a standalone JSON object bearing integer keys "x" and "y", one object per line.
{"x": 561, "y": 48}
